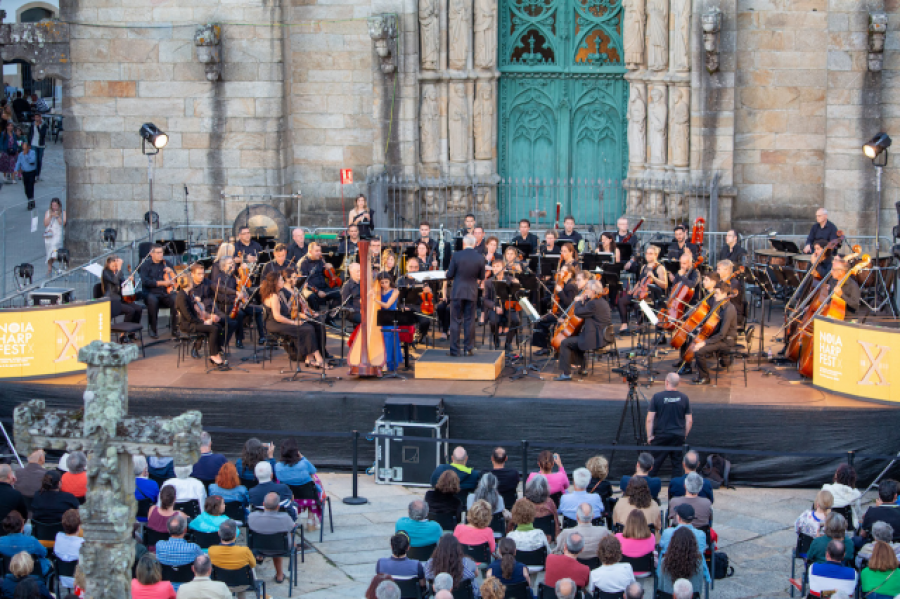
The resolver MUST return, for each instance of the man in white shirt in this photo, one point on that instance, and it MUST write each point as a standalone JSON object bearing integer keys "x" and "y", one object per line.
{"x": 569, "y": 503}
{"x": 186, "y": 488}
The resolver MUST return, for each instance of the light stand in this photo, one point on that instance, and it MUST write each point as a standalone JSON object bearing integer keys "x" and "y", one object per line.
{"x": 877, "y": 151}
{"x": 152, "y": 135}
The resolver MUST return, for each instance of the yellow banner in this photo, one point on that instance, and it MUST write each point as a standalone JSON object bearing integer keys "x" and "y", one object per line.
{"x": 855, "y": 359}
{"x": 44, "y": 340}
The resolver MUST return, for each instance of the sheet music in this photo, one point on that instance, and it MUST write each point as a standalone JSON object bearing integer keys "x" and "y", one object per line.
{"x": 428, "y": 275}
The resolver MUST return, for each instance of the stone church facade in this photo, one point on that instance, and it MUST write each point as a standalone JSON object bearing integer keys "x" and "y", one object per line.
{"x": 772, "y": 98}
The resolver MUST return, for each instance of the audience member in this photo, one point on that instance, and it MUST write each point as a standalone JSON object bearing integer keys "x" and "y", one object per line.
{"x": 521, "y": 527}
{"x": 492, "y": 588}
{"x": 590, "y": 533}
{"x": 566, "y": 565}
{"x": 444, "y": 497}
{"x": 29, "y": 588}
{"x": 565, "y": 589}
{"x": 148, "y": 583}
{"x": 20, "y": 568}
{"x": 442, "y": 582}
{"x": 599, "y": 468}
{"x": 881, "y": 531}
{"x": 448, "y": 557}
{"x": 879, "y": 576}
{"x": 613, "y": 575}
{"x": 203, "y": 587}
{"x": 187, "y": 488}
{"x": 684, "y": 518}
{"x": 30, "y": 478}
{"x": 144, "y": 488}
{"x": 885, "y": 508}
{"x": 258, "y": 493}
{"x": 228, "y": 486}
{"x": 421, "y": 531}
{"x": 684, "y": 559}
{"x": 252, "y": 454}
{"x": 158, "y": 517}
{"x": 15, "y": 541}
{"x": 507, "y": 569}
{"x": 68, "y": 543}
{"x": 843, "y": 490}
{"x": 398, "y": 565}
{"x": 387, "y": 590}
{"x": 637, "y": 496}
{"x": 75, "y": 480}
{"x": 227, "y": 554}
{"x": 213, "y": 516}
{"x": 636, "y": 540}
{"x": 10, "y": 498}
{"x": 294, "y": 470}
{"x": 579, "y": 494}
{"x": 835, "y": 529}
{"x": 207, "y": 467}
{"x": 693, "y": 484}
{"x": 487, "y": 490}
{"x": 507, "y": 478}
{"x": 176, "y": 551}
{"x": 690, "y": 463}
{"x": 478, "y": 529}
{"x": 557, "y": 481}
{"x": 373, "y": 585}
{"x": 161, "y": 468}
{"x": 682, "y": 589}
{"x": 642, "y": 470}
{"x": 467, "y": 477}
{"x": 831, "y": 575}
{"x": 634, "y": 591}
{"x": 537, "y": 491}
{"x": 812, "y": 521}
{"x": 49, "y": 503}
{"x": 271, "y": 521}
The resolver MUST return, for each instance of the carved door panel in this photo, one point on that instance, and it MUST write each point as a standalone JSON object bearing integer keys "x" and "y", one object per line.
{"x": 562, "y": 107}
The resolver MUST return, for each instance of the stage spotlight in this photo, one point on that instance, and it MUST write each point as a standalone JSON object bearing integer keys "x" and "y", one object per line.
{"x": 880, "y": 143}
{"x": 152, "y": 134}
{"x": 109, "y": 237}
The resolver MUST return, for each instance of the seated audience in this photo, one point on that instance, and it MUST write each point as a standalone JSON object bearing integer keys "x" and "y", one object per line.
{"x": 880, "y": 575}
{"x": 637, "y": 496}
{"x": 487, "y": 490}
{"x": 75, "y": 480}
{"x": 492, "y": 588}
{"x": 176, "y": 551}
{"x": 591, "y": 534}
{"x": 207, "y": 467}
{"x": 885, "y": 508}
{"x": 203, "y": 587}
{"x": 812, "y": 521}
{"x": 253, "y": 453}
{"x": 579, "y": 494}
{"x": 613, "y": 575}
{"x": 148, "y": 583}
{"x": 144, "y": 488}
{"x": 478, "y": 529}
{"x": 20, "y": 568}
{"x": 373, "y": 585}
{"x": 565, "y": 589}
{"x": 442, "y": 582}
{"x": 507, "y": 569}
{"x": 294, "y": 470}
{"x": 161, "y": 468}
{"x": 684, "y": 518}
{"x": 642, "y": 470}
{"x": 835, "y": 529}
{"x": 30, "y": 478}
{"x": 881, "y": 531}
{"x": 444, "y": 498}
{"x": 158, "y": 517}
{"x": 398, "y": 565}
{"x": 258, "y": 493}
{"x": 271, "y": 521}
{"x": 212, "y": 517}
{"x": 684, "y": 559}
{"x": 690, "y": 463}
{"x": 421, "y": 531}
{"x": 10, "y": 498}
{"x": 467, "y": 477}
{"x": 448, "y": 557}
{"x": 682, "y": 589}
{"x": 635, "y": 591}
{"x": 227, "y": 554}
{"x": 68, "y": 543}
{"x": 521, "y": 528}
{"x": 387, "y": 590}
{"x": 49, "y": 503}
{"x": 693, "y": 484}
{"x": 636, "y": 540}
{"x": 228, "y": 486}
{"x": 507, "y": 478}
{"x": 537, "y": 491}
{"x": 843, "y": 490}
{"x": 186, "y": 487}
{"x": 15, "y": 541}
{"x": 831, "y": 575}
{"x": 599, "y": 469}
{"x": 566, "y": 565}
{"x": 557, "y": 481}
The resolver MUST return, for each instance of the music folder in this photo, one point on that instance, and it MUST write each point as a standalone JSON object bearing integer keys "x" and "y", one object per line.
{"x": 625, "y": 251}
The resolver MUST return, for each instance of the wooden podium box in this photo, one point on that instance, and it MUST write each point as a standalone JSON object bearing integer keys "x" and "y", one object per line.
{"x": 485, "y": 365}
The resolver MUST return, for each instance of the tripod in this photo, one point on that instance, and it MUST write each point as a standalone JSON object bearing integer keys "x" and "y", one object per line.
{"x": 631, "y": 409}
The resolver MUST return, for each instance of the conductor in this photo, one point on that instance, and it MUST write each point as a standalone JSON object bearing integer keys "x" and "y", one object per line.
{"x": 591, "y": 307}
{"x": 466, "y": 271}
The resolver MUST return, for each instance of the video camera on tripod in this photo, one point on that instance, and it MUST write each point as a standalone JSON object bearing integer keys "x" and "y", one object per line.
{"x": 629, "y": 370}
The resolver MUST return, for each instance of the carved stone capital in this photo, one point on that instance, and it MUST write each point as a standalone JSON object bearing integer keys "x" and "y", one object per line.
{"x": 383, "y": 31}
{"x": 711, "y": 22}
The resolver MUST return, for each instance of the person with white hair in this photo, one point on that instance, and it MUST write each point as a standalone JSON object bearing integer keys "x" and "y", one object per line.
{"x": 272, "y": 521}
{"x": 591, "y": 534}
{"x": 387, "y": 590}
{"x": 266, "y": 485}
{"x": 682, "y": 589}
{"x": 566, "y": 588}
{"x": 881, "y": 531}
{"x": 566, "y": 565}
{"x": 443, "y": 594}
{"x": 421, "y": 531}
{"x": 443, "y": 582}
{"x": 74, "y": 480}
{"x": 578, "y": 494}
{"x": 466, "y": 271}
{"x": 207, "y": 467}
{"x": 186, "y": 487}
{"x": 693, "y": 485}
{"x": 144, "y": 488}
{"x": 590, "y": 306}
{"x": 824, "y": 229}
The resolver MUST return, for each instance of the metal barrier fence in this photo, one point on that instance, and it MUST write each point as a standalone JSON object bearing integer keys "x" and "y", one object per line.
{"x": 20, "y": 245}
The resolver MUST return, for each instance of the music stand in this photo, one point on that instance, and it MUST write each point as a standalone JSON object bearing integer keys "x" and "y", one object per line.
{"x": 783, "y": 245}
{"x": 392, "y": 319}
{"x": 626, "y": 251}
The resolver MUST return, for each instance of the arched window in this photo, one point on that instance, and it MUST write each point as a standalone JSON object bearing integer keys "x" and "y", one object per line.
{"x": 33, "y": 15}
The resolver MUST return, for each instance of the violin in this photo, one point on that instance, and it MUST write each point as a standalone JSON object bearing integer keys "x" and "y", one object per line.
{"x": 128, "y": 295}
{"x": 242, "y": 274}
{"x": 642, "y": 289}
{"x": 427, "y": 302}
{"x": 333, "y": 279}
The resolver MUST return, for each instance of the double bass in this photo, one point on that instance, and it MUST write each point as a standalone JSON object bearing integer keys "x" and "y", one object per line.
{"x": 367, "y": 352}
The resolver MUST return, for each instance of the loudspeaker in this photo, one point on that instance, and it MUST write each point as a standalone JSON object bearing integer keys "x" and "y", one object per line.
{"x": 425, "y": 410}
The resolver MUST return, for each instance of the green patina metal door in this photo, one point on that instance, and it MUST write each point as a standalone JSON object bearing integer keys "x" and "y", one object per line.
{"x": 562, "y": 108}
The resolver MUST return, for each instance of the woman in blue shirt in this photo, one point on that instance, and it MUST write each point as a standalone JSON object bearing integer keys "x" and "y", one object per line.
{"x": 228, "y": 486}
{"x": 253, "y": 453}
{"x": 26, "y": 166}
{"x": 294, "y": 470}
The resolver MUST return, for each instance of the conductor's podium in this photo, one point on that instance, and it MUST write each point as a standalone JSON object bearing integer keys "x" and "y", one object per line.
{"x": 485, "y": 365}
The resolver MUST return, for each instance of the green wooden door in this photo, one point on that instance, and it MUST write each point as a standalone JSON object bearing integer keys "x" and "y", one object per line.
{"x": 562, "y": 108}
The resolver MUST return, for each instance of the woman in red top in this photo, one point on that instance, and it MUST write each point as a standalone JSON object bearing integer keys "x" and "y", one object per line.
{"x": 75, "y": 480}
{"x": 478, "y": 531}
{"x": 148, "y": 582}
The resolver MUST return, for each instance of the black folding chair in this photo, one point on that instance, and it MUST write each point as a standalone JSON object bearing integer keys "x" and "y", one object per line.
{"x": 309, "y": 491}
{"x": 447, "y": 521}
{"x": 152, "y": 537}
{"x": 409, "y": 588}
{"x": 235, "y": 511}
{"x": 799, "y": 552}
{"x": 480, "y": 554}
{"x": 509, "y": 499}
{"x": 643, "y": 563}
{"x": 45, "y": 531}
{"x": 190, "y": 508}
{"x": 62, "y": 568}
{"x": 535, "y": 559}
{"x": 464, "y": 590}
{"x": 519, "y": 590}
{"x": 240, "y": 580}
{"x": 422, "y": 554}
{"x": 598, "y": 594}
{"x": 569, "y": 523}
{"x": 498, "y": 524}
{"x": 592, "y": 562}
{"x": 205, "y": 539}
{"x": 548, "y": 525}
{"x": 276, "y": 545}
{"x": 177, "y": 574}
{"x": 556, "y": 497}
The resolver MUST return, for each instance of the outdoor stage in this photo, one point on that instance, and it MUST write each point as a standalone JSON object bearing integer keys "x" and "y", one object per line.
{"x": 775, "y": 411}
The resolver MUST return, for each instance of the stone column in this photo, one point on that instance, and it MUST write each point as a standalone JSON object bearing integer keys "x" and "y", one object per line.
{"x": 106, "y": 397}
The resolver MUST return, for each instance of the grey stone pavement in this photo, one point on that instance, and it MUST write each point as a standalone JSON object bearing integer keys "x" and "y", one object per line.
{"x": 755, "y": 528}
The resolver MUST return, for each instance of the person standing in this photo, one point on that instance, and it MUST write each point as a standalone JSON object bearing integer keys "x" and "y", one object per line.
{"x": 669, "y": 421}
{"x": 9, "y": 152}
{"x": 26, "y": 167}
{"x": 732, "y": 250}
{"x": 466, "y": 271}
{"x": 54, "y": 223}
{"x": 823, "y": 229}
{"x": 363, "y": 217}
{"x": 37, "y": 137}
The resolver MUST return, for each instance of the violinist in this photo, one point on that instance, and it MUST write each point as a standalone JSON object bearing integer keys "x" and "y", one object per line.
{"x": 203, "y": 290}
{"x": 732, "y": 250}
{"x": 414, "y": 298}
{"x": 564, "y": 291}
{"x": 571, "y": 235}
{"x": 389, "y": 264}
{"x": 349, "y": 245}
{"x": 724, "y": 336}
{"x": 303, "y": 342}
{"x": 158, "y": 281}
{"x": 350, "y": 294}
{"x": 492, "y": 253}
{"x": 425, "y": 237}
{"x": 607, "y": 245}
{"x": 111, "y": 281}
{"x": 511, "y": 262}
{"x": 193, "y": 320}
{"x": 681, "y": 244}
{"x": 248, "y": 248}
{"x": 297, "y": 303}
{"x": 656, "y": 278}
{"x": 686, "y": 274}
{"x": 593, "y": 309}
{"x": 849, "y": 291}
{"x": 297, "y": 248}
{"x": 226, "y": 293}
{"x": 504, "y": 319}
{"x": 279, "y": 263}
{"x": 726, "y": 272}
{"x": 568, "y": 255}
{"x": 424, "y": 256}
{"x": 549, "y": 245}
{"x": 225, "y": 250}
{"x": 313, "y": 268}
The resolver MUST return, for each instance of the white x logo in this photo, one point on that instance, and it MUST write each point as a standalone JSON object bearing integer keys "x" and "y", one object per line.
{"x": 70, "y": 339}
{"x": 876, "y": 361}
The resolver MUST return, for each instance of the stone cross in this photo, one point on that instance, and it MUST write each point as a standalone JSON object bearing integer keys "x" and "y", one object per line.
{"x": 110, "y": 438}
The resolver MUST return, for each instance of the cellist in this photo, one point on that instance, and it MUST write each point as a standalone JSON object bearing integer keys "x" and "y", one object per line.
{"x": 595, "y": 312}
{"x": 502, "y": 320}
{"x": 686, "y": 274}
{"x": 724, "y": 336}
{"x": 849, "y": 291}
{"x": 708, "y": 283}
{"x": 657, "y": 278}
{"x": 725, "y": 268}
{"x": 564, "y": 294}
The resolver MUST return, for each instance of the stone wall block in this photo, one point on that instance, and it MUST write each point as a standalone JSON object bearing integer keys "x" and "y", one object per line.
{"x": 131, "y": 50}
{"x": 147, "y": 106}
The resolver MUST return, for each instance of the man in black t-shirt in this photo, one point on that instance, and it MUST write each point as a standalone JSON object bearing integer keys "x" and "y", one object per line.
{"x": 669, "y": 422}
{"x": 884, "y": 510}
{"x": 507, "y": 478}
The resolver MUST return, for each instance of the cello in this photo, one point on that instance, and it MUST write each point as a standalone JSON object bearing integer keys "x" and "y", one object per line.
{"x": 367, "y": 352}
{"x": 693, "y": 319}
{"x": 679, "y": 299}
{"x": 706, "y": 329}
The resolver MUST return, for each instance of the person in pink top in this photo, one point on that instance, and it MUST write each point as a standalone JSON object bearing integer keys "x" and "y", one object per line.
{"x": 148, "y": 582}
{"x": 558, "y": 481}
{"x": 636, "y": 540}
{"x": 478, "y": 530}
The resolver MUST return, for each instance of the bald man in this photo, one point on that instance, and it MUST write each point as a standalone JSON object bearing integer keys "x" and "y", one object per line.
{"x": 823, "y": 229}
{"x": 29, "y": 478}
{"x": 468, "y": 477}
{"x": 10, "y": 499}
